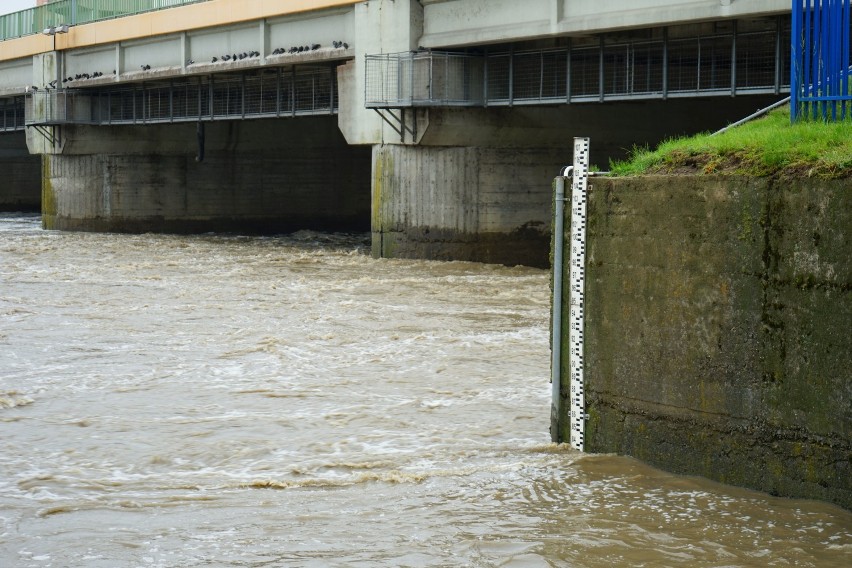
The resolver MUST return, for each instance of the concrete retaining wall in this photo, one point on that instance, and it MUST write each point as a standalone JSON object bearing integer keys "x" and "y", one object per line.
{"x": 719, "y": 330}
{"x": 258, "y": 177}
{"x": 462, "y": 203}
{"x": 20, "y": 174}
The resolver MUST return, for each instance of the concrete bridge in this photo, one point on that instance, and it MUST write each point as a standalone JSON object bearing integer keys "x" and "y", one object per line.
{"x": 437, "y": 124}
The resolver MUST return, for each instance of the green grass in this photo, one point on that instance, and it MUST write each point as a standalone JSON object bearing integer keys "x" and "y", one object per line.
{"x": 766, "y": 146}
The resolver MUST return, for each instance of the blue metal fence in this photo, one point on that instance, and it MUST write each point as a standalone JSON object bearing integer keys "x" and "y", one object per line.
{"x": 820, "y": 73}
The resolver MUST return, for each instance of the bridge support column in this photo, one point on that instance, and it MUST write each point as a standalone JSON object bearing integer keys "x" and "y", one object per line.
{"x": 260, "y": 176}
{"x": 20, "y": 189}
{"x": 463, "y": 203}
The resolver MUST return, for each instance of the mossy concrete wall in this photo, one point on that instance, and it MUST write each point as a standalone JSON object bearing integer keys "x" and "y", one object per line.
{"x": 20, "y": 174}
{"x": 718, "y": 334}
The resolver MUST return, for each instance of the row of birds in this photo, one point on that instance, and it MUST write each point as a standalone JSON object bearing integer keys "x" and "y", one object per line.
{"x": 228, "y": 57}
{"x": 278, "y": 51}
{"x": 70, "y": 79}
{"x": 78, "y": 76}
{"x": 235, "y": 56}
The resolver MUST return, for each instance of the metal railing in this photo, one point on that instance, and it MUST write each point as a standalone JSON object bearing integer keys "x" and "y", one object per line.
{"x": 12, "y": 114}
{"x": 657, "y": 63}
{"x": 821, "y": 75}
{"x": 279, "y": 92}
{"x": 75, "y": 12}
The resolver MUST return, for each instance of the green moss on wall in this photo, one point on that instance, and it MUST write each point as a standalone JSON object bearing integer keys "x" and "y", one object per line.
{"x": 48, "y": 196}
{"x": 719, "y": 329}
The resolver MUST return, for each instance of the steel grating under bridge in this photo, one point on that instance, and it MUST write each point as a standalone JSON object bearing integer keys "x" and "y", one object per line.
{"x": 712, "y": 58}
{"x": 279, "y": 92}
{"x": 12, "y": 114}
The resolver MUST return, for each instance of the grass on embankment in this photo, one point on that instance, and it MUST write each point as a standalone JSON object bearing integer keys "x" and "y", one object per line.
{"x": 767, "y": 146}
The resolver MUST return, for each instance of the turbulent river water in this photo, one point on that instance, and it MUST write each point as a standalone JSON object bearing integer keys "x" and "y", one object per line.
{"x": 239, "y": 401}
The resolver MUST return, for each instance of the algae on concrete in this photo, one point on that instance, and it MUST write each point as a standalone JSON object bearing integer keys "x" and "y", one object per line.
{"x": 719, "y": 329}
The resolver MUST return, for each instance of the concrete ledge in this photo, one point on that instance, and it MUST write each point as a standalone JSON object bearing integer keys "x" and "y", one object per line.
{"x": 523, "y": 246}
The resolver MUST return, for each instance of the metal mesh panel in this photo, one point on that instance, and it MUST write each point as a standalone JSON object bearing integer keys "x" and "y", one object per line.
{"x": 585, "y": 72}
{"x": 227, "y": 96}
{"x": 266, "y": 93}
{"x": 423, "y": 78}
{"x": 456, "y": 79}
{"x": 528, "y": 71}
{"x": 498, "y": 71}
{"x": 683, "y": 59}
{"x": 756, "y": 60}
{"x": 158, "y": 103}
{"x": 714, "y": 66}
{"x": 58, "y": 107}
{"x": 383, "y": 76}
{"x": 554, "y": 79}
{"x": 312, "y": 91}
{"x": 12, "y": 114}
{"x": 646, "y": 75}
{"x": 270, "y": 92}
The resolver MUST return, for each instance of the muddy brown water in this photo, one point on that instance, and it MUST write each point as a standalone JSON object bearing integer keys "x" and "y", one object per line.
{"x": 289, "y": 401}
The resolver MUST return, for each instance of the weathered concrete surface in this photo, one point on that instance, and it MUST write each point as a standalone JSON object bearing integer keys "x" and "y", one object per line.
{"x": 719, "y": 329}
{"x": 257, "y": 176}
{"x": 20, "y": 174}
{"x": 462, "y": 203}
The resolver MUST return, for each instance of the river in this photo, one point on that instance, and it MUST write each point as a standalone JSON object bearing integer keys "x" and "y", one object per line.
{"x": 221, "y": 400}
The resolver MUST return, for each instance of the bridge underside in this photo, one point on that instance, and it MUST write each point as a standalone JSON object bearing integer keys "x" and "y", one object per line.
{"x": 20, "y": 186}
{"x": 263, "y": 176}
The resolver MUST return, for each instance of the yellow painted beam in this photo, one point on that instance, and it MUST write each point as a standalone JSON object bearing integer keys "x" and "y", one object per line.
{"x": 25, "y": 46}
{"x": 172, "y": 20}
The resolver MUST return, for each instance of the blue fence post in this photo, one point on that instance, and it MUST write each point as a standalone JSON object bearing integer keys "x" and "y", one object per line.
{"x": 796, "y": 58}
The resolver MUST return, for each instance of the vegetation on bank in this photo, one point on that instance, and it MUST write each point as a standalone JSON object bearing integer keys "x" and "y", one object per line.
{"x": 768, "y": 146}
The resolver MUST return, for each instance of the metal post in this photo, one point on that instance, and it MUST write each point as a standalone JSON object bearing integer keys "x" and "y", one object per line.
{"x": 332, "y": 76}
{"x": 844, "y": 83}
{"x": 665, "y": 63}
{"x": 210, "y": 96}
{"x": 734, "y": 60}
{"x": 411, "y": 79}
{"x": 601, "y": 67}
{"x": 278, "y": 91}
{"x": 485, "y": 79}
{"x": 556, "y": 331}
{"x": 777, "y": 54}
{"x": 511, "y": 76}
{"x": 431, "y": 93}
{"x": 568, "y": 72}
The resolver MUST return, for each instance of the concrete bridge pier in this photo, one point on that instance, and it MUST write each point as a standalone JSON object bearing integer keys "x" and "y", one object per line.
{"x": 259, "y": 176}
{"x": 473, "y": 203}
{"x": 20, "y": 186}
{"x": 475, "y": 184}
